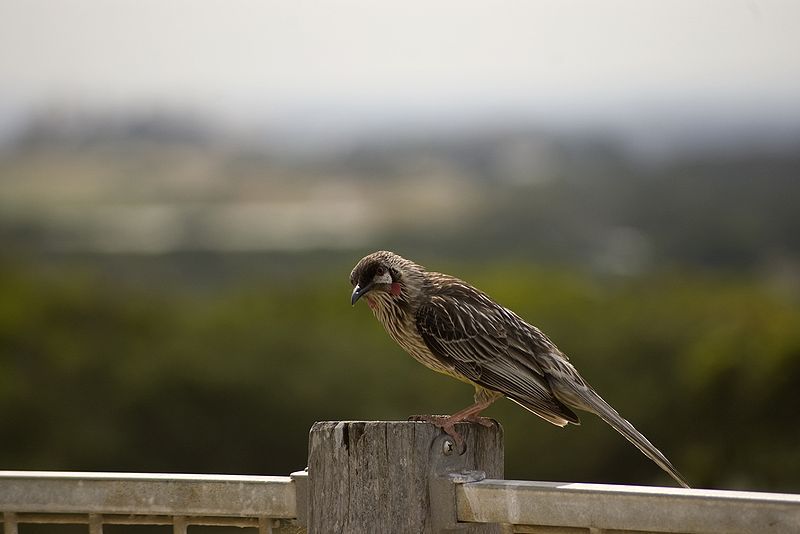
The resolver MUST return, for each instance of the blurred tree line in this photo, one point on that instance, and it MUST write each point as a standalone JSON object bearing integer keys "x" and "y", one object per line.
{"x": 96, "y": 374}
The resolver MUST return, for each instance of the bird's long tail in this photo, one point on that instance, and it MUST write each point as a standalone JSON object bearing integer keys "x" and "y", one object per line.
{"x": 590, "y": 401}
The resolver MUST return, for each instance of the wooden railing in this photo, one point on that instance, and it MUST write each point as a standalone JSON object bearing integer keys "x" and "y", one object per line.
{"x": 97, "y": 499}
{"x": 376, "y": 477}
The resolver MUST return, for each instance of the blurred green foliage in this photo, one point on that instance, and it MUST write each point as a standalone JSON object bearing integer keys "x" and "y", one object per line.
{"x": 100, "y": 375}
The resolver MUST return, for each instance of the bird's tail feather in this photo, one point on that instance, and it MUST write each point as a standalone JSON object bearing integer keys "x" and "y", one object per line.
{"x": 592, "y": 402}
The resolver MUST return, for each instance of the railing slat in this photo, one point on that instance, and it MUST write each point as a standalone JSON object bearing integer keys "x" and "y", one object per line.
{"x": 264, "y": 525}
{"x": 179, "y": 525}
{"x": 10, "y": 523}
{"x": 627, "y": 508}
{"x": 95, "y": 524}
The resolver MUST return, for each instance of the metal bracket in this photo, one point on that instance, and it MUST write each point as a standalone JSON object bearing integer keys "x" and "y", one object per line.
{"x": 448, "y": 467}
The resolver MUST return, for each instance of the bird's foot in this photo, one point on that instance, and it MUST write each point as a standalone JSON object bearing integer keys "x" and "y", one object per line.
{"x": 439, "y": 420}
{"x": 436, "y": 420}
{"x": 488, "y": 422}
{"x": 448, "y": 424}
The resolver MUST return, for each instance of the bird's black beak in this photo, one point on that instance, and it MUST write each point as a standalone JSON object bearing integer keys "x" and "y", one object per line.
{"x": 358, "y": 291}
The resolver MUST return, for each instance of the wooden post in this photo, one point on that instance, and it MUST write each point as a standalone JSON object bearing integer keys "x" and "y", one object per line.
{"x": 395, "y": 476}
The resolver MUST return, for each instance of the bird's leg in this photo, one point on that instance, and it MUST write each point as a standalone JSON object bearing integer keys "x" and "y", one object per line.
{"x": 470, "y": 414}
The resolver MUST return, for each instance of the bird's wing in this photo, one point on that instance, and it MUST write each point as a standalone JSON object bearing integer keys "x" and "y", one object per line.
{"x": 480, "y": 340}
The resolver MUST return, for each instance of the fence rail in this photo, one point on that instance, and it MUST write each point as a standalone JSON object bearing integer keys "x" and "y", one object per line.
{"x": 539, "y": 506}
{"x": 97, "y": 499}
{"x": 371, "y": 479}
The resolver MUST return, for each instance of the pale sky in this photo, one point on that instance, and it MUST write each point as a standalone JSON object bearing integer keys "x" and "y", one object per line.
{"x": 256, "y": 60}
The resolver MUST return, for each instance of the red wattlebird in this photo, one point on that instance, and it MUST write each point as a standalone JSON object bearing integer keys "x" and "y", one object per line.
{"x": 455, "y": 329}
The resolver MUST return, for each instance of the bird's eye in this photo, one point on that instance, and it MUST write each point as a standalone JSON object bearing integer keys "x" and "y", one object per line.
{"x": 380, "y": 272}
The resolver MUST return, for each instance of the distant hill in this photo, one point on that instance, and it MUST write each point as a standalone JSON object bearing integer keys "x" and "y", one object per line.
{"x": 162, "y": 183}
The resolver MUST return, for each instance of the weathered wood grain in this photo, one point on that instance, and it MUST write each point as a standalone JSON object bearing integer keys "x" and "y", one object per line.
{"x": 374, "y": 476}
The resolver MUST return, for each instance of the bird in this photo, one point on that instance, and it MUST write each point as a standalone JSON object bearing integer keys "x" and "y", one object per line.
{"x": 456, "y": 329}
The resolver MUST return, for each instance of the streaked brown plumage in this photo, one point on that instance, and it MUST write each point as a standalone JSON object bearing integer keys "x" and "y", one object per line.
{"x": 455, "y": 329}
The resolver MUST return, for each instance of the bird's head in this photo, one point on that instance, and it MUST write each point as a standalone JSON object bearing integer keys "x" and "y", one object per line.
{"x": 382, "y": 275}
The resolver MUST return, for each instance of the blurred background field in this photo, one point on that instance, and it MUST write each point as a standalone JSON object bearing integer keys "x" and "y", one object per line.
{"x": 185, "y": 188}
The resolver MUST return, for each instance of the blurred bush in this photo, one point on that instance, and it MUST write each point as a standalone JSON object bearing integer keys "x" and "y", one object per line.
{"x": 105, "y": 376}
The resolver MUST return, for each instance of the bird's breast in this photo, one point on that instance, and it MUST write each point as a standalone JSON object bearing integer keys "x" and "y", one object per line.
{"x": 402, "y": 329}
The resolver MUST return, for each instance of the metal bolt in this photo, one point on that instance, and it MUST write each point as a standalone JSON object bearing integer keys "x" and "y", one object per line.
{"x": 448, "y": 447}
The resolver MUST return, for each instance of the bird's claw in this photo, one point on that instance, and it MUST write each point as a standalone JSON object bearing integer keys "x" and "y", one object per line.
{"x": 487, "y": 422}
{"x": 448, "y": 425}
{"x": 449, "y": 428}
